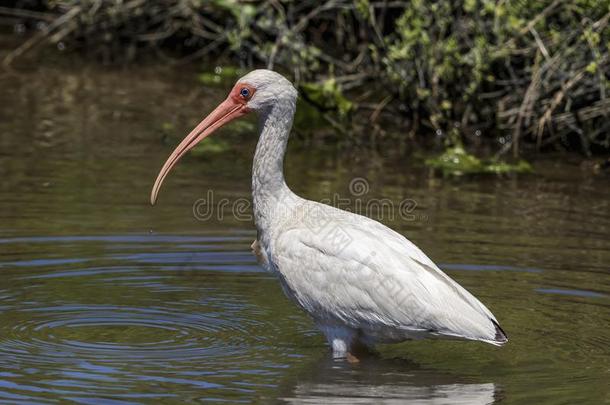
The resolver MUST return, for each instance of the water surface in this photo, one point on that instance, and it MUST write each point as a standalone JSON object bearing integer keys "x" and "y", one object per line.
{"x": 104, "y": 299}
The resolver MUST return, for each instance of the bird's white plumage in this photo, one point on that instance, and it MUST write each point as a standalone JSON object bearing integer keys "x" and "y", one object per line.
{"x": 359, "y": 280}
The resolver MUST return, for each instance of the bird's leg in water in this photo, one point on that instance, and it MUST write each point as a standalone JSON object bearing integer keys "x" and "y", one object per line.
{"x": 351, "y": 358}
{"x": 359, "y": 349}
{"x": 345, "y": 343}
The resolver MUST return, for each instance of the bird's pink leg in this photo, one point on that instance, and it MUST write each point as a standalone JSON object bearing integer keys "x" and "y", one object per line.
{"x": 351, "y": 358}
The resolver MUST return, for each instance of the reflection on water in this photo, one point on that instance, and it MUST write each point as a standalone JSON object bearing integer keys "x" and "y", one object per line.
{"x": 383, "y": 381}
{"x": 104, "y": 298}
{"x": 349, "y": 393}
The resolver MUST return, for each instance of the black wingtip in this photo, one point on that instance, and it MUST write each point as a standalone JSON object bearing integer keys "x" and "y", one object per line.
{"x": 501, "y": 336}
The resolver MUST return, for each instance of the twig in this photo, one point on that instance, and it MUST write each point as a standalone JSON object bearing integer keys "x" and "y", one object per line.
{"x": 33, "y": 41}
{"x": 557, "y": 99}
{"x": 543, "y": 14}
{"x": 382, "y": 104}
{"x": 21, "y": 13}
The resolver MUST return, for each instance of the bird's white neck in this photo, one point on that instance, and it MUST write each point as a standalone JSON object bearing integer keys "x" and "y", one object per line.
{"x": 270, "y": 193}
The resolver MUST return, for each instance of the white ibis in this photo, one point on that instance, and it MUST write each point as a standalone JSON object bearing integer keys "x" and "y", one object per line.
{"x": 360, "y": 281}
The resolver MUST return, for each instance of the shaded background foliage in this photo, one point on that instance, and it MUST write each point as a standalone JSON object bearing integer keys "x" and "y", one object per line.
{"x": 523, "y": 74}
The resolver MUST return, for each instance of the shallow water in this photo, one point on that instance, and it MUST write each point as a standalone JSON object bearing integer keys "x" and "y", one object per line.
{"x": 104, "y": 299}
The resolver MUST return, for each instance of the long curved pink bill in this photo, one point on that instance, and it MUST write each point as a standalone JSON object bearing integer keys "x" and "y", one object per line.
{"x": 227, "y": 111}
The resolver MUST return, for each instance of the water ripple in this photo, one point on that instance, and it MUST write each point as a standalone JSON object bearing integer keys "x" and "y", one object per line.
{"x": 166, "y": 327}
{"x": 177, "y": 336}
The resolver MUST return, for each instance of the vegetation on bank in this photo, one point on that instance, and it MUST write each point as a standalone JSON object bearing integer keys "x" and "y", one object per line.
{"x": 522, "y": 75}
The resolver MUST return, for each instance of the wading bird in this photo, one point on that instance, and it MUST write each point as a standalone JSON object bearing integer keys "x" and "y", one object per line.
{"x": 360, "y": 281}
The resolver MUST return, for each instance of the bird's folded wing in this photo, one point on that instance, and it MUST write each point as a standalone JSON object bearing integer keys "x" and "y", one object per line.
{"x": 363, "y": 273}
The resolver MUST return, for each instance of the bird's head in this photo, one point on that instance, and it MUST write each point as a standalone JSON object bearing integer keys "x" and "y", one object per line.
{"x": 258, "y": 91}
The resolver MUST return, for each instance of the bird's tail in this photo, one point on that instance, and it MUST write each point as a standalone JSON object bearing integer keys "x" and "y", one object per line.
{"x": 501, "y": 337}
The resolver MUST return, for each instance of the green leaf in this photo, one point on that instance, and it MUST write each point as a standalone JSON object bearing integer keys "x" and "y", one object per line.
{"x": 455, "y": 161}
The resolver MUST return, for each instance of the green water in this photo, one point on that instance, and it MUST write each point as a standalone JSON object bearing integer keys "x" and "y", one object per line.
{"x": 104, "y": 299}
